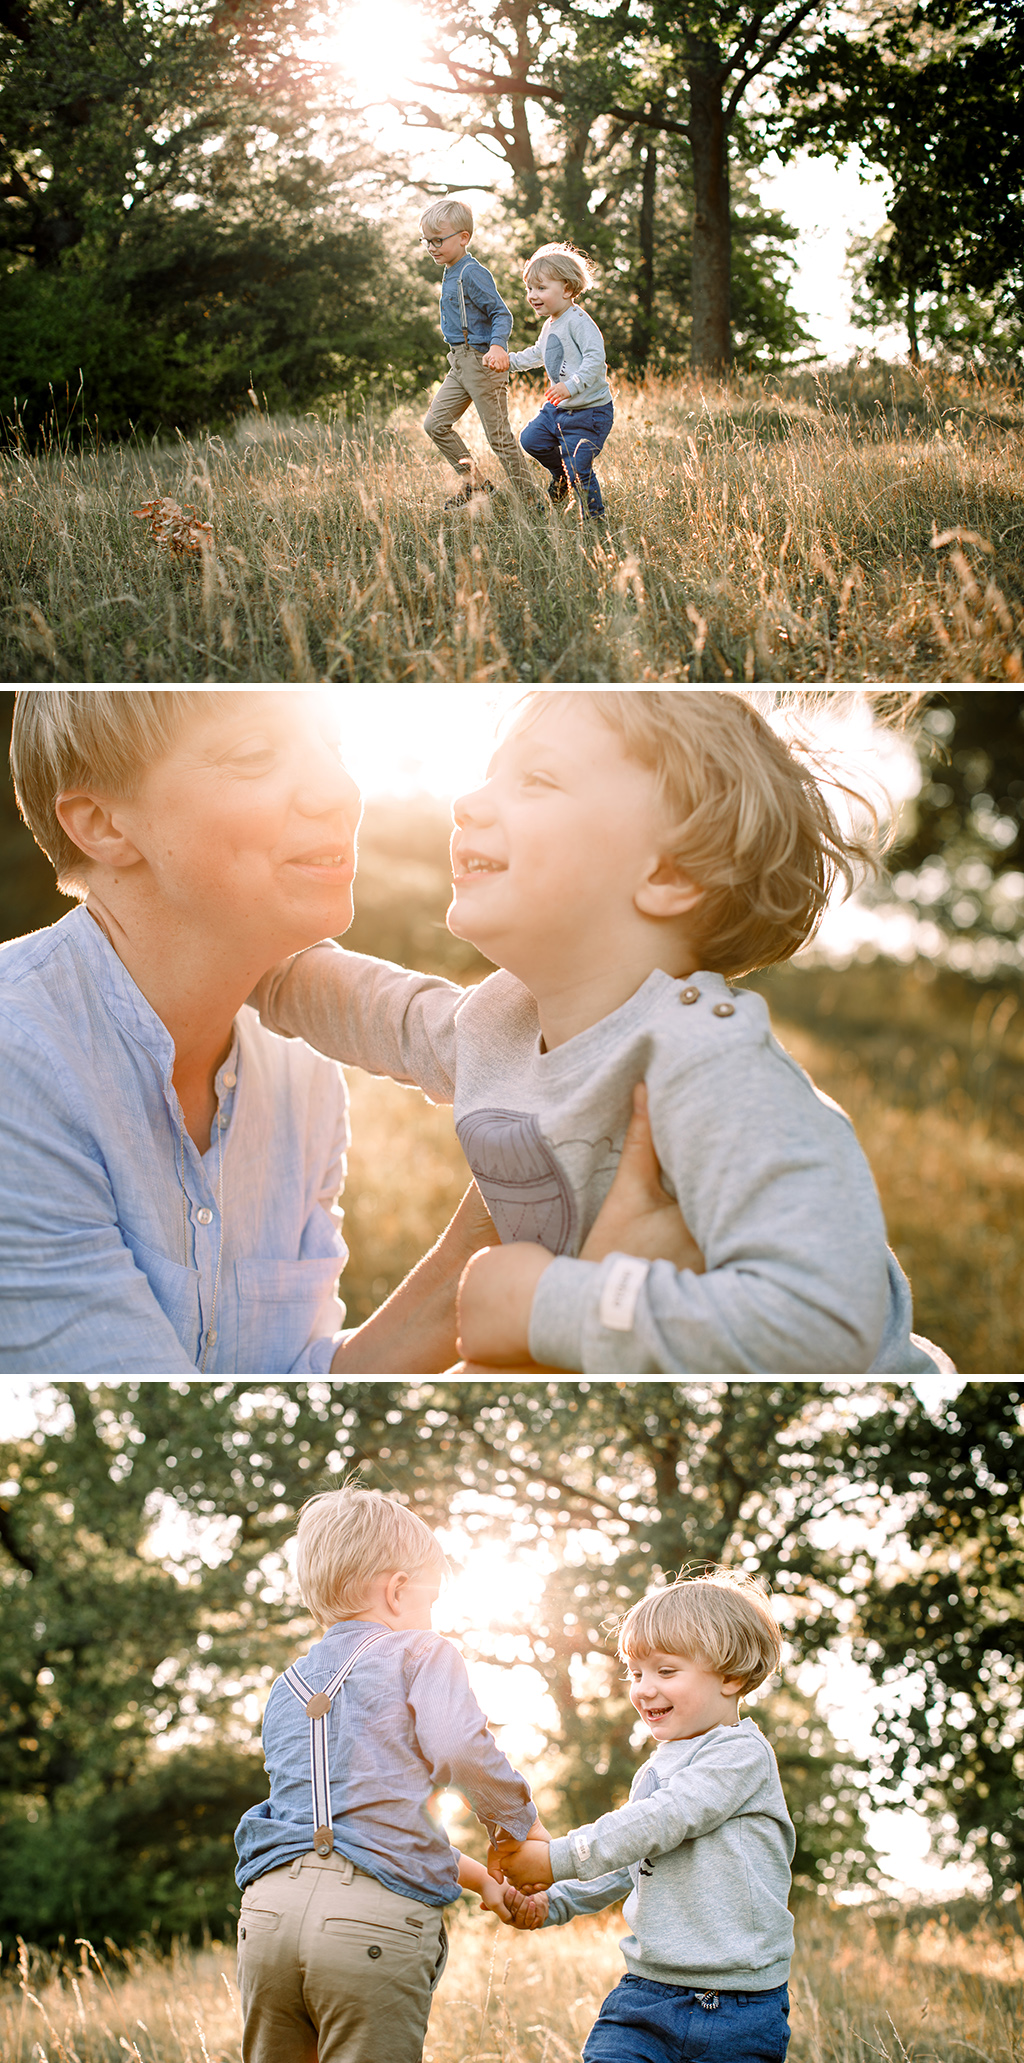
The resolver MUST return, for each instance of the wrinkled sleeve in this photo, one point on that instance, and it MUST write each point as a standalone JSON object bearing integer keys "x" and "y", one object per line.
{"x": 695, "y": 1801}
{"x": 480, "y": 289}
{"x": 528, "y": 359}
{"x": 780, "y": 1200}
{"x": 458, "y": 1747}
{"x": 366, "y": 1013}
{"x": 590, "y": 343}
{"x": 319, "y": 1351}
{"x": 72, "y": 1300}
{"x": 571, "y": 1899}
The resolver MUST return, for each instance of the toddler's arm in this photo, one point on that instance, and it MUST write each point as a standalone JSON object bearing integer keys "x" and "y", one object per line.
{"x": 529, "y": 359}
{"x": 366, "y": 1012}
{"x": 779, "y": 1196}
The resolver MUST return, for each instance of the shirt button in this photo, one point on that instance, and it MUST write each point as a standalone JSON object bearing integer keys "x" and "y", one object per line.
{"x": 723, "y": 1010}
{"x": 204, "y": 1216}
{"x": 229, "y": 1080}
{"x": 690, "y": 996}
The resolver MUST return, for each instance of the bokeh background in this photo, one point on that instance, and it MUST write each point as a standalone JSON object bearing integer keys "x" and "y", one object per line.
{"x": 147, "y": 1600}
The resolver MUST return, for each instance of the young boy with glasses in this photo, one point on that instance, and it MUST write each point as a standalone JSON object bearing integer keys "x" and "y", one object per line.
{"x": 475, "y": 324}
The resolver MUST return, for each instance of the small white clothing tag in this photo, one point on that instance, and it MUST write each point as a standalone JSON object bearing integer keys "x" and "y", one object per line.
{"x": 626, "y": 1278}
{"x": 580, "y": 1847}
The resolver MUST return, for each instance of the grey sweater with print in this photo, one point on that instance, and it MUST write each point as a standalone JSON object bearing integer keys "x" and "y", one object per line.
{"x": 583, "y": 362}
{"x": 767, "y": 1172}
{"x": 702, "y": 1856}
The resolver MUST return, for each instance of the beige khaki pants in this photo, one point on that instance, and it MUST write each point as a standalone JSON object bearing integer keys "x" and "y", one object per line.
{"x": 472, "y": 384}
{"x": 332, "y": 1966}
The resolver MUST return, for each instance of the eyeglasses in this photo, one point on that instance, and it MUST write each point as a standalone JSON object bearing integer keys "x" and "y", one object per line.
{"x": 433, "y": 243}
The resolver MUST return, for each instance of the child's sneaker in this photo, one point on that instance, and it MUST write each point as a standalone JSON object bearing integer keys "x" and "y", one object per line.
{"x": 465, "y": 494}
{"x": 559, "y": 490}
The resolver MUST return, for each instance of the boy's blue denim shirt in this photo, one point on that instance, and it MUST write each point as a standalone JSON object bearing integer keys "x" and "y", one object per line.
{"x": 488, "y": 318}
{"x": 106, "y": 1266}
{"x": 404, "y": 1725}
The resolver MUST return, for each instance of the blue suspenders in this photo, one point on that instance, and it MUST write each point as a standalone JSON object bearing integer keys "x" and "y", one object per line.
{"x": 317, "y": 1705}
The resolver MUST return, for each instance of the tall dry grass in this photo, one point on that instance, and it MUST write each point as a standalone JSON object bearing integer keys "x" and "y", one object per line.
{"x": 860, "y": 1994}
{"x": 783, "y": 531}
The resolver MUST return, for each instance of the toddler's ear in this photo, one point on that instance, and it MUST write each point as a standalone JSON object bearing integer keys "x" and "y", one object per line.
{"x": 665, "y": 891}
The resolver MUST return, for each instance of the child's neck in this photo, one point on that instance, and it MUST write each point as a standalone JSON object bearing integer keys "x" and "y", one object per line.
{"x": 571, "y": 999}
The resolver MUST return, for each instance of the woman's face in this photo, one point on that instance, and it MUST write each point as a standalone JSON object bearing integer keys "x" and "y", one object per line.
{"x": 248, "y": 827}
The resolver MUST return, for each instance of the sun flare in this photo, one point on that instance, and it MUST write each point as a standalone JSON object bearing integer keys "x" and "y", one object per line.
{"x": 491, "y": 1591}
{"x": 375, "y": 44}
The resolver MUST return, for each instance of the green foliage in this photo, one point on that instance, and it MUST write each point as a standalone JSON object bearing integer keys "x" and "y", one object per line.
{"x": 152, "y": 1856}
{"x": 933, "y": 98}
{"x": 620, "y": 96}
{"x": 180, "y": 222}
{"x": 192, "y": 310}
{"x": 961, "y": 863}
{"x": 943, "y": 1628}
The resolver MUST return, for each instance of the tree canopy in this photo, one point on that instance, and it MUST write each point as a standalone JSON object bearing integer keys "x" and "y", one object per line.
{"x": 146, "y": 1603}
{"x": 185, "y": 216}
{"x": 931, "y": 96}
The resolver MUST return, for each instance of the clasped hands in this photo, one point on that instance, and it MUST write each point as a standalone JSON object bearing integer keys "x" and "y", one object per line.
{"x": 524, "y": 1868}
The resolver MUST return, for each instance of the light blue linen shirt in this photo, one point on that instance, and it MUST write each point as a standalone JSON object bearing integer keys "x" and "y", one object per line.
{"x": 404, "y": 1724}
{"x": 112, "y": 1232}
{"x": 488, "y": 317}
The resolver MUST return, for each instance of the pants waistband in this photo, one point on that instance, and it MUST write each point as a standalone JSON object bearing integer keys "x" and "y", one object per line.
{"x": 340, "y": 1864}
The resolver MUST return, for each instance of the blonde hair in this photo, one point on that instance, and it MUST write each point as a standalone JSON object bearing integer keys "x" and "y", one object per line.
{"x": 719, "y": 1619}
{"x": 93, "y": 738}
{"x": 447, "y": 214}
{"x": 751, "y": 826}
{"x": 560, "y": 261}
{"x": 347, "y": 1537}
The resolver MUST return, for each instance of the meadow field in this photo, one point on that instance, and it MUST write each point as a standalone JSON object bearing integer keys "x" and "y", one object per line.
{"x": 859, "y": 1991}
{"x": 864, "y": 526}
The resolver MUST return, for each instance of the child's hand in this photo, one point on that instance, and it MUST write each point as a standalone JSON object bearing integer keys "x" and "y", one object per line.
{"x": 495, "y": 1301}
{"x": 495, "y": 1899}
{"x": 496, "y": 358}
{"x": 529, "y": 1866}
{"x": 557, "y": 393}
{"x": 526, "y": 1912}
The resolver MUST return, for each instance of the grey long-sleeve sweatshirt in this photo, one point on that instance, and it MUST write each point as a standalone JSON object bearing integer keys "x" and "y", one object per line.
{"x": 702, "y": 1855}
{"x": 768, "y": 1172}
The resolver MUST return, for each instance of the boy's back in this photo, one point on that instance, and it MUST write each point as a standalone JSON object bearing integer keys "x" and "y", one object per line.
{"x": 404, "y": 1726}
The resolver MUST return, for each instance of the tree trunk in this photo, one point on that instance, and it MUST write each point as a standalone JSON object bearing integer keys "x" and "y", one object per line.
{"x": 643, "y": 320}
{"x": 915, "y": 353}
{"x": 710, "y": 336}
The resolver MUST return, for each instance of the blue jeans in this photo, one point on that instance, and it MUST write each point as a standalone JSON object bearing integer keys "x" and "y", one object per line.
{"x": 566, "y": 442}
{"x": 644, "y": 2022}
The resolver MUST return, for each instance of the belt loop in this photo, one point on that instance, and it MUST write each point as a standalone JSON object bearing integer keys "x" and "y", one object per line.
{"x": 296, "y": 1866}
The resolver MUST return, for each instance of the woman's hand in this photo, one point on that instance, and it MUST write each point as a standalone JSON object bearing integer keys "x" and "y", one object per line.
{"x": 638, "y": 1216}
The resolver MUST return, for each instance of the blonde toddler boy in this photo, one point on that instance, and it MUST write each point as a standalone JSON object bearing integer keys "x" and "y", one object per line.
{"x": 702, "y": 1851}
{"x": 345, "y": 1871}
{"x": 577, "y": 415}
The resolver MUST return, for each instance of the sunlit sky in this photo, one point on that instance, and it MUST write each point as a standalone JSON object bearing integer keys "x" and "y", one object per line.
{"x": 492, "y": 1587}
{"x": 380, "y": 45}
{"x": 407, "y": 741}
